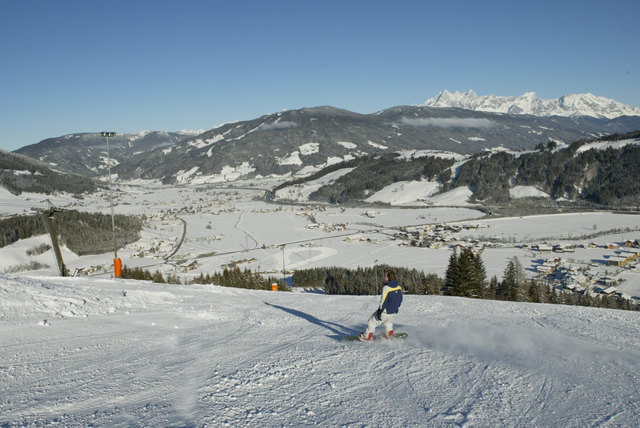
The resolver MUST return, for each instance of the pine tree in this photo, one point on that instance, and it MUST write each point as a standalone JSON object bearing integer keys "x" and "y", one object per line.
{"x": 466, "y": 275}
{"x": 433, "y": 284}
{"x": 513, "y": 281}
{"x": 453, "y": 276}
{"x": 553, "y": 294}
{"x": 158, "y": 278}
{"x": 479, "y": 275}
{"x": 492, "y": 290}
{"x": 533, "y": 291}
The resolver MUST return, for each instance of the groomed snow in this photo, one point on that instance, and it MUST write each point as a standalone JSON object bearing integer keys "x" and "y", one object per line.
{"x": 102, "y": 352}
{"x": 517, "y": 192}
{"x": 301, "y": 192}
{"x": 405, "y": 192}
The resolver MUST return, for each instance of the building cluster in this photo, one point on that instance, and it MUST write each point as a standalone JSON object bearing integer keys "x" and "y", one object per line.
{"x": 328, "y": 227}
{"x": 156, "y": 248}
{"x": 627, "y": 255}
{"x": 360, "y": 238}
{"x": 438, "y": 235}
{"x": 581, "y": 279}
{"x": 235, "y": 263}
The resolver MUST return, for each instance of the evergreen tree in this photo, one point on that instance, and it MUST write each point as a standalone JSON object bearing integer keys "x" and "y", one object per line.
{"x": 453, "y": 275}
{"x": 492, "y": 290}
{"x": 513, "y": 281}
{"x": 466, "y": 275}
{"x": 478, "y": 274}
{"x": 433, "y": 284}
{"x": 587, "y": 299}
{"x": 533, "y": 291}
{"x": 158, "y": 278}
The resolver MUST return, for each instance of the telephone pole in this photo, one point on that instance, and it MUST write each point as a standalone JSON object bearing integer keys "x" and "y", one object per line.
{"x": 117, "y": 263}
{"x": 47, "y": 216}
{"x": 284, "y": 279}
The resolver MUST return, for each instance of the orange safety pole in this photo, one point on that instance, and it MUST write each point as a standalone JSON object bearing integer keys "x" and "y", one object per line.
{"x": 117, "y": 266}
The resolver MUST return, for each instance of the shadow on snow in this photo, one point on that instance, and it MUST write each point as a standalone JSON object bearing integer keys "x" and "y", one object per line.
{"x": 338, "y": 330}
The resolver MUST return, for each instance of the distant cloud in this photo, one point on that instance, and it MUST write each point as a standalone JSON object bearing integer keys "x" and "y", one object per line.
{"x": 450, "y": 122}
{"x": 277, "y": 126}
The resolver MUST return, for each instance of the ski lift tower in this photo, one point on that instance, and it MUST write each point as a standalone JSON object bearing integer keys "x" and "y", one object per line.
{"x": 117, "y": 263}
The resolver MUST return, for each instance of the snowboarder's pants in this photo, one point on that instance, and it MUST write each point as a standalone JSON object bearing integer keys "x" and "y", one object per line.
{"x": 385, "y": 318}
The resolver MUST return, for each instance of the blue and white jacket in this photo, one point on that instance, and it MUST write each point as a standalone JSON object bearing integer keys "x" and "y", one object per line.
{"x": 391, "y": 297}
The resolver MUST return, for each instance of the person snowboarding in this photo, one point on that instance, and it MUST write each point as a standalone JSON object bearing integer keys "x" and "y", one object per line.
{"x": 387, "y": 310}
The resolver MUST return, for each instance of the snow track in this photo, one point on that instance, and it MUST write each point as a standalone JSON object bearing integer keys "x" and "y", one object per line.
{"x": 142, "y": 354}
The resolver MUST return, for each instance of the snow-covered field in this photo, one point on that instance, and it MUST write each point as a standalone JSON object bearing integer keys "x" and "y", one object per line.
{"x": 234, "y": 226}
{"x": 105, "y": 352}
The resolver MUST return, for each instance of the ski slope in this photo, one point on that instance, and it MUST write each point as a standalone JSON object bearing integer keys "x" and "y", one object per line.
{"x": 105, "y": 352}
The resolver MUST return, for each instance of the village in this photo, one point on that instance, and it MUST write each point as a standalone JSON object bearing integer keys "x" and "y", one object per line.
{"x": 564, "y": 273}
{"x": 578, "y": 278}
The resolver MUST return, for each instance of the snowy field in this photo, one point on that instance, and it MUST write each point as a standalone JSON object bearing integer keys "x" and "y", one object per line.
{"x": 105, "y": 352}
{"x": 236, "y": 227}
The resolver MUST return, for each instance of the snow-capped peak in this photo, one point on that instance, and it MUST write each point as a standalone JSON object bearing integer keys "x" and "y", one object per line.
{"x": 529, "y": 103}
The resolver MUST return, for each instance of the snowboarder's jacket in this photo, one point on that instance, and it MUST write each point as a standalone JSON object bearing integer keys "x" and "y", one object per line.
{"x": 391, "y": 297}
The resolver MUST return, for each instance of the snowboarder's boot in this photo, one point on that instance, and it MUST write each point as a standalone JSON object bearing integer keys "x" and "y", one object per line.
{"x": 389, "y": 334}
{"x": 364, "y": 336}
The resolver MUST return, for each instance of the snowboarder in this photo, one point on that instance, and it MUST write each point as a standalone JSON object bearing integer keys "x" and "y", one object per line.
{"x": 388, "y": 308}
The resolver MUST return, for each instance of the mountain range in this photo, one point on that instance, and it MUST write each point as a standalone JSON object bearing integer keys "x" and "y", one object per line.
{"x": 86, "y": 153}
{"x": 574, "y": 105}
{"x": 300, "y": 142}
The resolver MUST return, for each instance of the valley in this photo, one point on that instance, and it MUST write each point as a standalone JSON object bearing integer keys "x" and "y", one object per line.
{"x": 227, "y": 226}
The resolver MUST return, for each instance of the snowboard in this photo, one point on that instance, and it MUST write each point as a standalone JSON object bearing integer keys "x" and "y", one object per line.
{"x": 400, "y": 335}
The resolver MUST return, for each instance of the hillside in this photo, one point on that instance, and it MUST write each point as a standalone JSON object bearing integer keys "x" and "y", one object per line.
{"x": 597, "y": 172}
{"x": 121, "y": 353}
{"x": 303, "y": 141}
{"x": 20, "y": 173}
{"x": 82, "y": 232}
{"x": 86, "y": 153}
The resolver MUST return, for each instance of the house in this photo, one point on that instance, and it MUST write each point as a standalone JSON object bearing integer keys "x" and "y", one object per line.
{"x": 190, "y": 266}
{"x": 545, "y": 268}
{"x": 617, "y": 261}
{"x": 607, "y": 281}
{"x": 630, "y": 252}
{"x": 543, "y": 247}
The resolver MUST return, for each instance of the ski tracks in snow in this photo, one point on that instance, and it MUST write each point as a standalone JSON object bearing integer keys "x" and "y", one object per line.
{"x": 170, "y": 355}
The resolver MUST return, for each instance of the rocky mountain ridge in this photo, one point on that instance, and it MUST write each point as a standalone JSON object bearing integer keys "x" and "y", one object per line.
{"x": 573, "y": 105}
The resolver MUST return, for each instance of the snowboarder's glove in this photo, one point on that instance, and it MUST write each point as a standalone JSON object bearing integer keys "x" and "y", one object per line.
{"x": 379, "y": 314}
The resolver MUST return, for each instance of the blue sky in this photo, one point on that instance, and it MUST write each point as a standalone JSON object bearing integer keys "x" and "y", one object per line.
{"x": 127, "y": 66}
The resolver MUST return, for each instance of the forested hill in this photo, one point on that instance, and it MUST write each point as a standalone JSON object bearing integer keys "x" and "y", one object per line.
{"x": 82, "y": 232}
{"x": 600, "y": 174}
{"x": 603, "y": 172}
{"x": 19, "y": 173}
